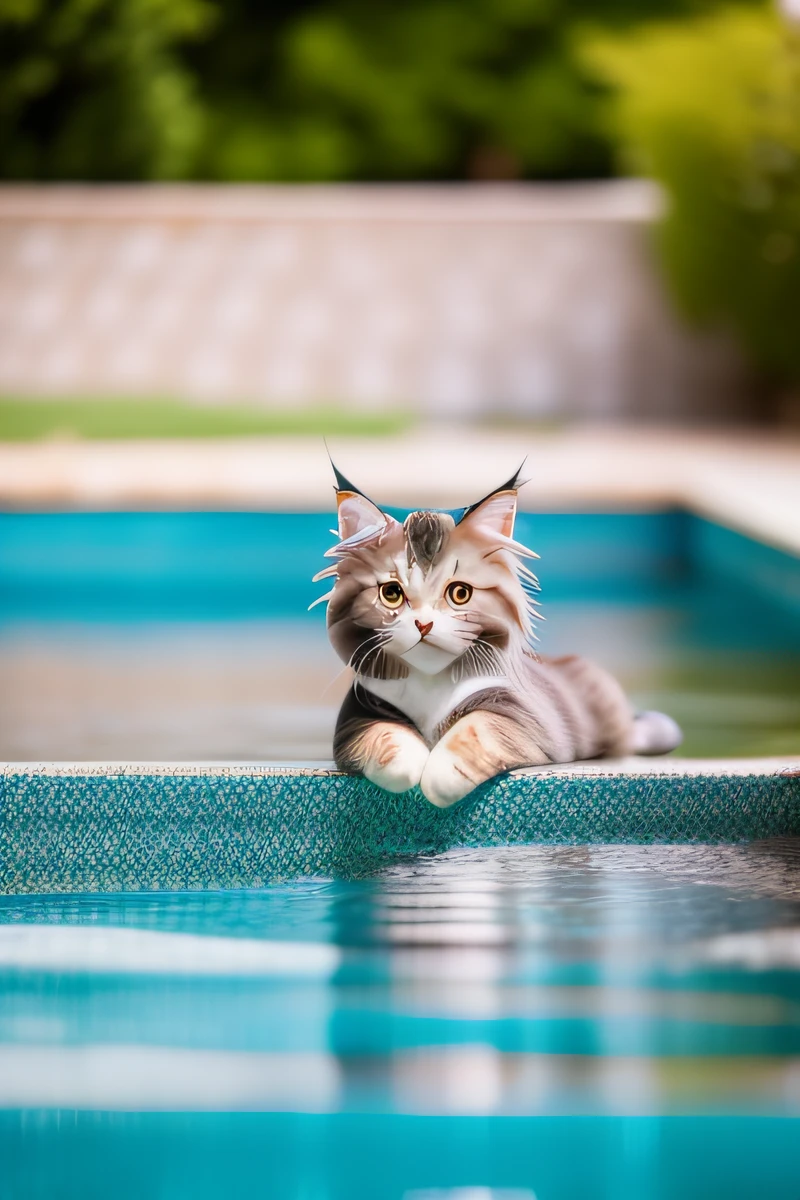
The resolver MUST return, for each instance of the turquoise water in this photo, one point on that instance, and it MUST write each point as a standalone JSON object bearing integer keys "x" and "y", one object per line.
{"x": 294, "y": 1157}
{"x": 617, "y": 1022}
{"x": 184, "y": 636}
{"x": 527, "y": 1023}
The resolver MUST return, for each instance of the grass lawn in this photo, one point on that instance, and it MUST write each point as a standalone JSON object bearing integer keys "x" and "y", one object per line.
{"x": 34, "y": 419}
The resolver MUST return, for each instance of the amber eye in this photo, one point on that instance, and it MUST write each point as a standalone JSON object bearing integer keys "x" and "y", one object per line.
{"x": 459, "y": 593}
{"x": 391, "y": 594}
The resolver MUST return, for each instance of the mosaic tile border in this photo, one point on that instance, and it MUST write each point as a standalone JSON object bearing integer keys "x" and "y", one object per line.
{"x": 118, "y": 827}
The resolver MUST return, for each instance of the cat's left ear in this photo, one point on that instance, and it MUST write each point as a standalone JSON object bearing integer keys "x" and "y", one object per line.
{"x": 497, "y": 510}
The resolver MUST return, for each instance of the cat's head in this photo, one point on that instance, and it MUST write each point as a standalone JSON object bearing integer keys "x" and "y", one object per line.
{"x": 432, "y": 592}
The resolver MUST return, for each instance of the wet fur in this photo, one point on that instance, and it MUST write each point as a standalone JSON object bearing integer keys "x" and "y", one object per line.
{"x": 469, "y": 699}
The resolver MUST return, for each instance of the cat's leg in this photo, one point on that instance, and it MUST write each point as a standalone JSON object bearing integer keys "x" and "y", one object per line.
{"x": 477, "y": 747}
{"x": 369, "y": 741}
{"x": 392, "y": 756}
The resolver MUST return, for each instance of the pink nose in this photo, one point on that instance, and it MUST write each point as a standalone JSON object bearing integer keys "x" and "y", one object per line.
{"x": 424, "y": 629}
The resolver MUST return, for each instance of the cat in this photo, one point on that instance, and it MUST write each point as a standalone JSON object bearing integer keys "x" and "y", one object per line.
{"x": 435, "y": 617}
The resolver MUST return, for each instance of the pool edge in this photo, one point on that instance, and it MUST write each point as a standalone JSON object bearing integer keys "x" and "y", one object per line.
{"x": 125, "y": 827}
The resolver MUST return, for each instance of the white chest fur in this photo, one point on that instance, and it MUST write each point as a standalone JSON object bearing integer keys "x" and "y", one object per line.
{"x": 428, "y": 699}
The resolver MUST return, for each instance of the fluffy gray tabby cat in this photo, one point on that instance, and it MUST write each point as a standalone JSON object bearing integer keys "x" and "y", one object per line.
{"x": 434, "y": 616}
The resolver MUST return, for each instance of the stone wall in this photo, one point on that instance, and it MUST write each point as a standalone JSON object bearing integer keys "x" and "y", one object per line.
{"x": 535, "y": 301}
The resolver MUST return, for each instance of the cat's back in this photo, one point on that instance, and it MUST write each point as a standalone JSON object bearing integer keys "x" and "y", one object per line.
{"x": 581, "y": 707}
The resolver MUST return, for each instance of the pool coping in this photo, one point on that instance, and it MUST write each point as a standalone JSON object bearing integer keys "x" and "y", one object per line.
{"x": 745, "y": 479}
{"x": 111, "y": 827}
{"x": 779, "y": 765}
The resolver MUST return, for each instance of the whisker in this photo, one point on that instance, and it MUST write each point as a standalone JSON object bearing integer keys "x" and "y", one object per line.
{"x": 362, "y": 653}
{"x": 364, "y": 648}
{"x": 335, "y": 679}
{"x": 491, "y": 655}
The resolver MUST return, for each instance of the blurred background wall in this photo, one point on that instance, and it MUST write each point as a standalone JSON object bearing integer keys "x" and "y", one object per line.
{"x": 512, "y": 253}
{"x": 520, "y": 301}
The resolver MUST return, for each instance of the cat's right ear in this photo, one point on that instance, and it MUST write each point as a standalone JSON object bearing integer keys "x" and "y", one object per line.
{"x": 358, "y": 515}
{"x": 359, "y": 518}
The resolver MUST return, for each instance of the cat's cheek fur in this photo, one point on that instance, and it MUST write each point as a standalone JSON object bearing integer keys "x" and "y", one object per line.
{"x": 392, "y": 756}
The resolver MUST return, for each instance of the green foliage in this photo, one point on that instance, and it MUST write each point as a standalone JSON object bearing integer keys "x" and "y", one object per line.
{"x": 711, "y": 108}
{"x": 31, "y": 419}
{"x": 310, "y": 90}
{"x": 432, "y": 89}
{"x": 92, "y": 89}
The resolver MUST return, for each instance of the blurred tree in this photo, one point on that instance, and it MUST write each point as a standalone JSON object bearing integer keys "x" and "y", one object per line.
{"x": 91, "y": 89}
{"x": 310, "y": 90}
{"x": 437, "y": 89}
{"x": 711, "y": 108}
{"x": 430, "y": 89}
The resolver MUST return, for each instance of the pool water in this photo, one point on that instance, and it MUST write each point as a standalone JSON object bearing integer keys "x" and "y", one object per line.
{"x": 513, "y": 1023}
{"x": 185, "y": 636}
{"x": 552, "y": 1022}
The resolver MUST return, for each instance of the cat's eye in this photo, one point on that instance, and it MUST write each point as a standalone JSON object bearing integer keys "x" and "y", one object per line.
{"x": 391, "y": 594}
{"x": 459, "y": 593}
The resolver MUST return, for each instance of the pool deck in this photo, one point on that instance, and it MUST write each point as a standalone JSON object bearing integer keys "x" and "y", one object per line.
{"x": 747, "y": 479}
{"x": 76, "y": 827}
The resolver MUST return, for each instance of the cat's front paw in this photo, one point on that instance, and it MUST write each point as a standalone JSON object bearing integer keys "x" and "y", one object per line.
{"x": 444, "y": 780}
{"x": 399, "y": 764}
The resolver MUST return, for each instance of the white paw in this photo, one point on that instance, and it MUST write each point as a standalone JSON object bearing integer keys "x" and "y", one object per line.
{"x": 403, "y": 770}
{"x": 443, "y": 782}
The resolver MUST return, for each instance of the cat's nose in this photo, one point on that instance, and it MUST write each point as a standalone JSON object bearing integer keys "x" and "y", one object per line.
{"x": 424, "y": 629}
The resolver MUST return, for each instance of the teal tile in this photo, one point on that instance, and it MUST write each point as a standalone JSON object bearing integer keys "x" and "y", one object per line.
{"x": 129, "y": 829}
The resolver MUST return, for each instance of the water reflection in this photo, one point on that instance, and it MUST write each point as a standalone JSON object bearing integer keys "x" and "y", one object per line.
{"x": 616, "y": 980}
{"x": 501, "y": 1024}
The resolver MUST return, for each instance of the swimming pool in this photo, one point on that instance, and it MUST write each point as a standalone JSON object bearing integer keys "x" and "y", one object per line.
{"x": 184, "y": 636}
{"x": 487, "y": 1022}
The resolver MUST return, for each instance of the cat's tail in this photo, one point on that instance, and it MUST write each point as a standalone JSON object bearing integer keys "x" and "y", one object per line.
{"x": 655, "y": 733}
